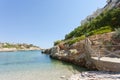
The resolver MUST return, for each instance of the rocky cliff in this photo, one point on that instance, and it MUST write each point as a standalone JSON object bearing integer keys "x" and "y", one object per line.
{"x": 80, "y": 53}
{"x": 110, "y": 5}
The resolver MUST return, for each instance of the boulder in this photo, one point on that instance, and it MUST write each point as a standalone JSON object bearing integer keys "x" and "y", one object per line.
{"x": 46, "y": 51}
{"x": 54, "y": 50}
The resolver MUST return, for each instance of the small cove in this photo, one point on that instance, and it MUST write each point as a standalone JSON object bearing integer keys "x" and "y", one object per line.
{"x": 32, "y": 65}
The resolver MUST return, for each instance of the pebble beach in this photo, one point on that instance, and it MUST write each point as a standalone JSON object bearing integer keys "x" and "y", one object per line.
{"x": 96, "y": 75}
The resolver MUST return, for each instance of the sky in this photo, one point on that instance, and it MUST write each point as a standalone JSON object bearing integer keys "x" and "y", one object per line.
{"x": 41, "y": 22}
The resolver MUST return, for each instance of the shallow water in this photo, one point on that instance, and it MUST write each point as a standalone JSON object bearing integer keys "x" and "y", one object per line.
{"x": 32, "y": 65}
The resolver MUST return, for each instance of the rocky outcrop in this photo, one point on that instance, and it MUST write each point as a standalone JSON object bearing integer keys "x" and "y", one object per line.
{"x": 70, "y": 56}
{"x": 55, "y": 51}
{"x": 80, "y": 53}
{"x": 46, "y": 51}
{"x": 75, "y": 54}
{"x": 110, "y": 5}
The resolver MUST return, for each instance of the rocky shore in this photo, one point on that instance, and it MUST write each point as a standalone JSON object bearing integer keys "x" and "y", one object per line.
{"x": 76, "y": 55}
{"x": 96, "y": 75}
{"x": 80, "y": 53}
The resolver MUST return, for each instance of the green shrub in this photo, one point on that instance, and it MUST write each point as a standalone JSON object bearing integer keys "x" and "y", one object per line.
{"x": 57, "y": 42}
{"x": 109, "y": 18}
{"x": 74, "y": 40}
{"x": 102, "y": 30}
{"x": 8, "y": 45}
{"x": 117, "y": 34}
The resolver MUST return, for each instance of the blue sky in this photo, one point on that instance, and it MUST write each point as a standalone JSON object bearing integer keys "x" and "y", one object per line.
{"x": 41, "y": 22}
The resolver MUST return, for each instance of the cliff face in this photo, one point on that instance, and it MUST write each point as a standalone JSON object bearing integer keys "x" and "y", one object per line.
{"x": 110, "y": 5}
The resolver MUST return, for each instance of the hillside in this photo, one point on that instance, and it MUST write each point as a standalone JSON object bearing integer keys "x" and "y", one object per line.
{"x": 15, "y": 47}
{"x": 106, "y": 20}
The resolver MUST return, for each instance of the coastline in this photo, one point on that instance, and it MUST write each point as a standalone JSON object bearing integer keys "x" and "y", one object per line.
{"x": 14, "y": 49}
{"x": 80, "y": 53}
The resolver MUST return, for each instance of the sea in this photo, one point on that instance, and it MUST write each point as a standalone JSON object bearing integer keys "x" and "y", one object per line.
{"x": 33, "y": 65}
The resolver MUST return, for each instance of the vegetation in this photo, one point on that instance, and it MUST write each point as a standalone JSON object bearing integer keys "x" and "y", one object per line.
{"x": 77, "y": 39}
{"x": 57, "y": 42}
{"x": 17, "y": 46}
{"x": 115, "y": 40}
{"x": 102, "y": 30}
{"x": 106, "y": 20}
{"x": 7, "y": 45}
{"x": 116, "y": 36}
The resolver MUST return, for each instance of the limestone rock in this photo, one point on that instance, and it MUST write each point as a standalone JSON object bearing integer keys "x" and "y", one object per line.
{"x": 54, "y": 50}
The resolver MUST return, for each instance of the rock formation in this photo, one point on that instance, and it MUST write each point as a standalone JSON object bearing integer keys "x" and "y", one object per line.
{"x": 80, "y": 53}
{"x": 110, "y": 5}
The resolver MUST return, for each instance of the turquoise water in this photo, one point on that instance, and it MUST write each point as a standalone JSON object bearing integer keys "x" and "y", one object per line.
{"x": 32, "y": 65}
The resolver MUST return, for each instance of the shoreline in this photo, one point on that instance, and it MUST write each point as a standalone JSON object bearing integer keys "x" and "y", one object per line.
{"x": 96, "y": 75}
{"x": 14, "y": 49}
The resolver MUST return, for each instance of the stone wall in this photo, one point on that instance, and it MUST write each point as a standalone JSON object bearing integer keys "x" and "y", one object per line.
{"x": 106, "y": 65}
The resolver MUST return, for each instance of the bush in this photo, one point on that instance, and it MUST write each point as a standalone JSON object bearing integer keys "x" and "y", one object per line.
{"x": 57, "y": 42}
{"x": 8, "y": 45}
{"x": 110, "y": 18}
{"x": 117, "y": 34}
{"x": 102, "y": 30}
{"x": 74, "y": 40}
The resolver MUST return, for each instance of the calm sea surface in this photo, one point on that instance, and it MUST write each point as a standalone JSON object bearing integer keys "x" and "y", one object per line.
{"x": 32, "y": 65}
